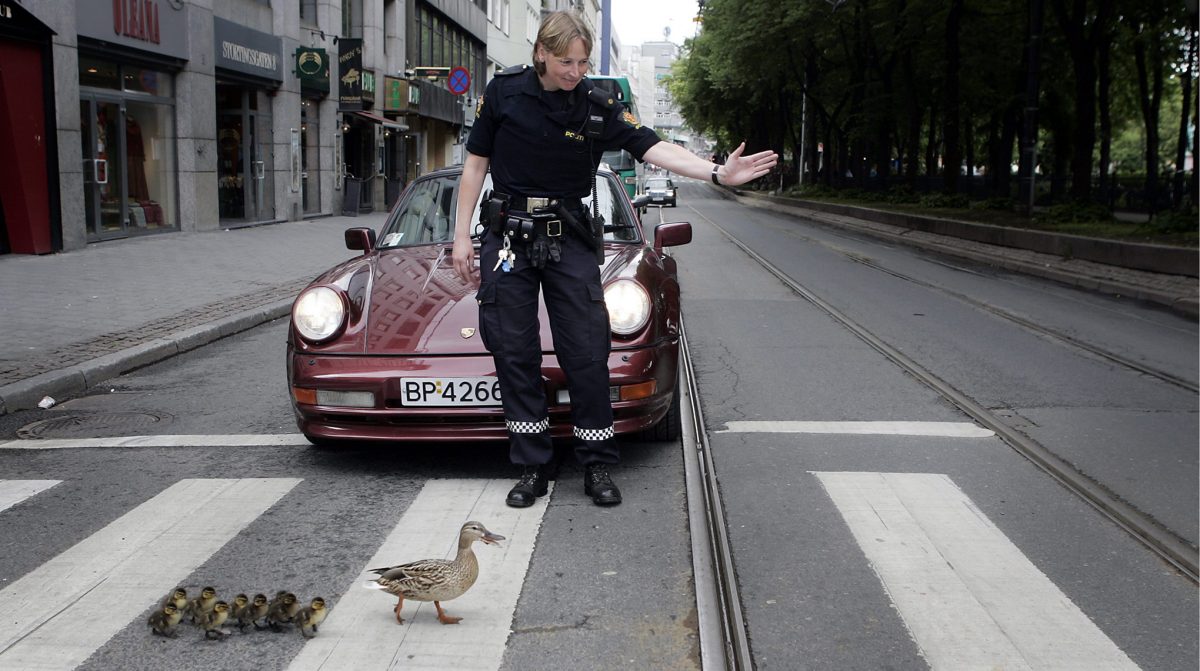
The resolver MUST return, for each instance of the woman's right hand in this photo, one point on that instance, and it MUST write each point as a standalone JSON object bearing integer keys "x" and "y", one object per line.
{"x": 463, "y": 255}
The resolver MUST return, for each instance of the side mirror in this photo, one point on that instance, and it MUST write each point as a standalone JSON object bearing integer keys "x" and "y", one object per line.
{"x": 641, "y": 201}
{"x": 672, "y": 235}
{"x": 362, "y": 238}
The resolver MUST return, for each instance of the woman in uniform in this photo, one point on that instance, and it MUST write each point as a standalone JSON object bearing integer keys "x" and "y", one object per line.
{"x": 542, "y": 130}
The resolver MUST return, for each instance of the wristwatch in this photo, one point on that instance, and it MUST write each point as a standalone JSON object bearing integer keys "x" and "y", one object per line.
{"x": 716, "y": 167}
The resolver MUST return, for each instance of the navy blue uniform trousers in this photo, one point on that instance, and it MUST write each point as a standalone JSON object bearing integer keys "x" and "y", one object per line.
{"x": 508, "y": 320}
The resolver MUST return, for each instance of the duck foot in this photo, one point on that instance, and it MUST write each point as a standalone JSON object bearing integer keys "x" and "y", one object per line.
{"x": 396, "y": 610}
{"x": 443, "y": 617}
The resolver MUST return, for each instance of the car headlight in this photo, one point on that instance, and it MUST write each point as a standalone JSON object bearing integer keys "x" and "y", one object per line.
{"x": 628, "y": 306}
{"x": 319, "y": 313}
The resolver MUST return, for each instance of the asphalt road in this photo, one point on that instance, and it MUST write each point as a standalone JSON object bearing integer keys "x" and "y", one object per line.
{"x": 808, "y": 582}
{"x": 913, "y": 546}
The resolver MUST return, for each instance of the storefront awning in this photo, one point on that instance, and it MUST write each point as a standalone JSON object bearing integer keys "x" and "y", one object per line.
{"x": 383, "y": 121}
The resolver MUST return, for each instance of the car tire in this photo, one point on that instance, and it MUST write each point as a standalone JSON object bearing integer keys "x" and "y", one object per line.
{"x": 667, "y": 429}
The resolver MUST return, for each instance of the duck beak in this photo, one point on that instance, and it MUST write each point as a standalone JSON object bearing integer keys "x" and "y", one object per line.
{"x": 491, "y": 538}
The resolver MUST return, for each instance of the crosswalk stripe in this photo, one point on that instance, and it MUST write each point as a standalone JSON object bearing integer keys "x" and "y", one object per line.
{"x": 181, "y": 440}
{"x": 61, "y": 612}
{"x": 944, "y": 429}
{"x": 968, "y": 595}
{"x": 13, "y": 492}
{"x": 361, "y": 632}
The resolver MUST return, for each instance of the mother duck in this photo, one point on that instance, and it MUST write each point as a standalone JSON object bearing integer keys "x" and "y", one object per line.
{"x": 436, "y": 580}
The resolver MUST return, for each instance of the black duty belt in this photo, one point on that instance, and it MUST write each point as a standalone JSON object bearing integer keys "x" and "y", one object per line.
{"x": 530, "y": 204}
{"x": 525, "y": 227}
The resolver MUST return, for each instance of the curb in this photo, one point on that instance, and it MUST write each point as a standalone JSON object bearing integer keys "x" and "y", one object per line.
{"x": 74, "y": 381}
{"x": 1186, "y": 305}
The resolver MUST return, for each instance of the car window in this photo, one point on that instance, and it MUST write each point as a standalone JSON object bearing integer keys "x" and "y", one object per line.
{"x": 658, "y": 183}
{"x": 427, "y": 212}
{"x": 425, "y": 216}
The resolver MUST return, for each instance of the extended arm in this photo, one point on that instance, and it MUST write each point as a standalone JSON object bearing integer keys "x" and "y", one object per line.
{"x": 469, "y": 187}
{"x": 737, "y": 169}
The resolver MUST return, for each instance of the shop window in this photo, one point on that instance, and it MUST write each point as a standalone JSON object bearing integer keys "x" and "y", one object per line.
{"x": 99, "y": 74}
{"x": 150, "y": 163}
{"x": 141, "y": 80}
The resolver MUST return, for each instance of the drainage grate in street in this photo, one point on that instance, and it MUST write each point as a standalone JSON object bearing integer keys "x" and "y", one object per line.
{"x": 100, "y": 425}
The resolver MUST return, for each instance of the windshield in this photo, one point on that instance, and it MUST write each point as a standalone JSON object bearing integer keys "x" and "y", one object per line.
{"x": 427, "y": 212}
{"x": 618, "y": 159}
{"x": 658, "y": 184}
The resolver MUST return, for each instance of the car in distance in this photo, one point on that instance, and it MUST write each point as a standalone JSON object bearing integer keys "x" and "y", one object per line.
{"x": 386, "y": 346}
{"x": 661, "y": 191}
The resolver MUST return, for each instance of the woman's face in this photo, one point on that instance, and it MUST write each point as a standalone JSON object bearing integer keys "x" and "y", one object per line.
{"x": 566, "y": 71}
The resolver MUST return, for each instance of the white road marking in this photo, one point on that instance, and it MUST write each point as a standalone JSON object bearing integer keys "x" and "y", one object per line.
{"x": 361, "y": 632}
{"x": 13, "y": 492}
{"x": 969, "y": 597}
{"x": 945, "y": 429}
{"x": 196, "y": 440}
{"x": 60, "y": 613}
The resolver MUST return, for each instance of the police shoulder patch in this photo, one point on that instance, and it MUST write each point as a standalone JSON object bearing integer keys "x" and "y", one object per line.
{"x": 628, "y": 118}
{"x": 479, "y": 106}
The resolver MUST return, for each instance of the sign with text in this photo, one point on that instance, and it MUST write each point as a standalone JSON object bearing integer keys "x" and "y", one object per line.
{"x": 248, "y": 51}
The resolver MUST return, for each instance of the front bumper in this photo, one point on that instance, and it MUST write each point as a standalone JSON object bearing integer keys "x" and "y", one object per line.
{"x": 389, "y": 421}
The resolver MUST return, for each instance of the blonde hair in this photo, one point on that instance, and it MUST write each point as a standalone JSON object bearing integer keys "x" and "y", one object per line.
{"x": 556, "y": 33}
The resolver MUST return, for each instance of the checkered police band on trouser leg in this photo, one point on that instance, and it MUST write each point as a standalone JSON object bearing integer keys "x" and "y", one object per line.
{"x": 508, "y": 304}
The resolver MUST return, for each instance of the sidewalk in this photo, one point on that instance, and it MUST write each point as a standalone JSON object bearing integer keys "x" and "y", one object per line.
{"x": 71, "y": 321}
{"x": 1175, "y": 292}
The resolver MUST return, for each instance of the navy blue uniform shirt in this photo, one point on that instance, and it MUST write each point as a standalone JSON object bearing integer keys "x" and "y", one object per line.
{"x": 535, "y": 140}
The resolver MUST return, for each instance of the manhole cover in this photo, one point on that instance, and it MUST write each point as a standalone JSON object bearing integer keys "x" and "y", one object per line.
{"x": 100, "y": 425}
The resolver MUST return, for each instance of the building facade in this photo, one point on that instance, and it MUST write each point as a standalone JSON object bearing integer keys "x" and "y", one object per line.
{"x": 147, "y": 116}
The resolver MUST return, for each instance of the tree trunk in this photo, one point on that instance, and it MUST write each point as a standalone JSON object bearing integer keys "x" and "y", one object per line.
{"x": 950, "y": 88}
{"x": 1149, "y": 59}
{"x": 1107, "y": 192}
{"x": 931, "y": 144}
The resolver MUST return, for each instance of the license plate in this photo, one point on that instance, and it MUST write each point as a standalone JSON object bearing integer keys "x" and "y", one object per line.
{"x": 449, "y": 391}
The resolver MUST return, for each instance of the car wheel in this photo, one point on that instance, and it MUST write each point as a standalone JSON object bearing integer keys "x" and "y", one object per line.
{"x": 669, "y": 428}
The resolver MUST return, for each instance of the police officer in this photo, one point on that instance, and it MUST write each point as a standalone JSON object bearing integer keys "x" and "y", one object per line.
{"x": 542, "y": 131}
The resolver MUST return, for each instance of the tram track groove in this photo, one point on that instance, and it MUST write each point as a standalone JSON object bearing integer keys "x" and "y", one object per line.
{"x": 724, "y": 643}
{"x": 1162, "y": 541}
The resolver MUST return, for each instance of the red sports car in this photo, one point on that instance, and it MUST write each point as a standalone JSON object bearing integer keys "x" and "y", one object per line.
{"x": 385, "y": 346}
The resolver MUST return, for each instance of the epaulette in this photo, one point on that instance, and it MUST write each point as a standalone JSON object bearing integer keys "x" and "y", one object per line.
{"x": 512, "y": 70}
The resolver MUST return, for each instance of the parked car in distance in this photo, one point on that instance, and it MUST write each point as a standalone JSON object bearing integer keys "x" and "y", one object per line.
{"x": 661, "y": 191}
{"x": 386, "y": 346}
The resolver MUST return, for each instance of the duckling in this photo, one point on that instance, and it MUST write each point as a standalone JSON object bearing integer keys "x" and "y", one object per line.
{"x": 436, "y": 580}
{"x": 177, "y": 598}
{"x": 310, "y": 616}
{"x": 212, "y": 620}
{"x": 165, "y": 620}
{"x": 200, "y": 606}
{"x": 282, "y": 610}
{"x": 250, "y": 613}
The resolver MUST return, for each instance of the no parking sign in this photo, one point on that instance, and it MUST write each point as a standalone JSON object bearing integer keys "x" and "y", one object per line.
{"x": 459, "y": 80}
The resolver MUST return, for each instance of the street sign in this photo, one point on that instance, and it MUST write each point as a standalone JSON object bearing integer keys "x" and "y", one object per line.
{"x": 459, "y": 81}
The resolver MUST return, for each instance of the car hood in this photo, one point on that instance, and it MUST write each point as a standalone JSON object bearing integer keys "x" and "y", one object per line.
{"x": 419, "y": 306}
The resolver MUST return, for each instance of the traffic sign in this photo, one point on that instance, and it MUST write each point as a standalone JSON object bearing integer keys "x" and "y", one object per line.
{"x": 459, "y": 81}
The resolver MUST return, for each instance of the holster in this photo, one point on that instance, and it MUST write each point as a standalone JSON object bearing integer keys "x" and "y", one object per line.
{"x": 592, "y": 235}
{"x": 493, "y": 212}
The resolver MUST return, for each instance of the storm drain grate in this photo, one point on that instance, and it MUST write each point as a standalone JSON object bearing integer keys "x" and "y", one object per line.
{"x": 100, "y": 425}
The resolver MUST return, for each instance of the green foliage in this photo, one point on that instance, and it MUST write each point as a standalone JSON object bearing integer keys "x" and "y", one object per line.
{"x": 901, "y": 194}
{"x": 944, "y": 200}
{"x": 1177, "y": 221}
{"x": 1077, "y": 213}
{"x": 992, "y": 204}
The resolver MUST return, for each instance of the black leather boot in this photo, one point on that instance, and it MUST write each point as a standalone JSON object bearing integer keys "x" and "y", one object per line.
{"x": 533, "y": 483}
{"x": 598, "y": 485}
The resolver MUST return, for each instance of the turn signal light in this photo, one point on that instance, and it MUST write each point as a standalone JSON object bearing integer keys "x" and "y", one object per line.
{"x": 632, "y": 392}
{"x": 305, "y": 396}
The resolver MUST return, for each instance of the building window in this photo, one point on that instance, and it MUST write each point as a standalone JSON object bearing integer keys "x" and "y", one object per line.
{"x": 308, "y": 12}
{"x": 498, "y": 14}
